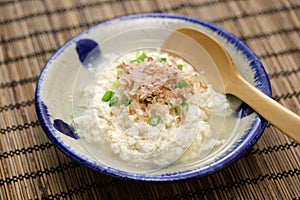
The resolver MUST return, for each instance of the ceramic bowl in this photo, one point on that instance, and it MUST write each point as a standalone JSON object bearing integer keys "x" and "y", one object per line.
{"x": 55, "y": 89}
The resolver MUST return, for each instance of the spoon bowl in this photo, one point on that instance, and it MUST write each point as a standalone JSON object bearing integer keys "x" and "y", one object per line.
{"x": 232, "y": 81}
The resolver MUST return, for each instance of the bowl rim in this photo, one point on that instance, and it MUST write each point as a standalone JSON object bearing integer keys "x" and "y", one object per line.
{"x": 241, "y": 147}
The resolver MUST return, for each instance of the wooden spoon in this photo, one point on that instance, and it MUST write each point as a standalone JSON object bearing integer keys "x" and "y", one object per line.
{"x": 180, "y": 42}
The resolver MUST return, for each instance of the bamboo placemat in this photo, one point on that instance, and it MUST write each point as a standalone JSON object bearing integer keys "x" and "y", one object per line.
{"x": 31, "y": 167}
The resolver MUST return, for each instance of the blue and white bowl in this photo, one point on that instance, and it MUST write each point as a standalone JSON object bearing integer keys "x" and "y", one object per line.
{"x": 56, "y": 85}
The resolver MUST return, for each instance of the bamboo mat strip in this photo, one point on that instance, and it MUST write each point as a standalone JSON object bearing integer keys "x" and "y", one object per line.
{"x": 31, "y": 167}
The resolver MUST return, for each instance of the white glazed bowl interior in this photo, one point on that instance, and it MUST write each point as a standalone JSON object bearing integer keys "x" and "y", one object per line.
{"x": 56, "y": 83}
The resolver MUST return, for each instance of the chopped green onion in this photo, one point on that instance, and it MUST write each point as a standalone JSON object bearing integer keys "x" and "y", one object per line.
{"x": 176, "y": 110}
{"x": 117, "y": 84}
{"x": 163, "y": 59}
{"x": 119, "y": 71}
{"x": 185, "y": 106}
{"x": 113, "y": 101}
{"x": 126, "y": 102}
{"x": 166, "y": 103}
{"x": 133, "y": 61}
{"x": 182, "y": 84}
{"x": 179, "y": 66}
{"x": 154, "y": 120}
{"x": 108, "y": 95}
{"x": 140, "y": 56}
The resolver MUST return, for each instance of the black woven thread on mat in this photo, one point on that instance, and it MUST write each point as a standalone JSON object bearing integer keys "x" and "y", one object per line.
{"x": 72, "y": 165}
{"x": 237, "y": 184}
{"x": 46, "y": 32}
{"x": 211, "y": 3}
{"x": 272, "y": 33}
{"x": 284, "y": 73}
{"x": 287, "y": 95}
{"x": 28, "y": 56}
{"x": 257, "y": 14}
{"x": 23, "y": 150}
{"x": 100, "y": 3}
{"x": 82, "y": 189}
{"x": 17, "y": 105}
{"x": 173, "y": 8}
{"x": 85, "y": 25}
{"x": 7, "y": 2}
{"x": 184, "y": 195}
{"x": 181, "y": 6}
{"x": 39, "y": 173}
{"x": 280, "y": 53}
{"x": 281, "y": 147}
{"x": 19, "y": 127}
{"x": 57, "y": 11}
{"x": 270, "y": 11}
{"x": 24, "y": 81}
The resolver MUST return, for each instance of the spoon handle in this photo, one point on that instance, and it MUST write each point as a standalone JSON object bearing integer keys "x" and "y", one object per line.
{"x": 284, "y": 119}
